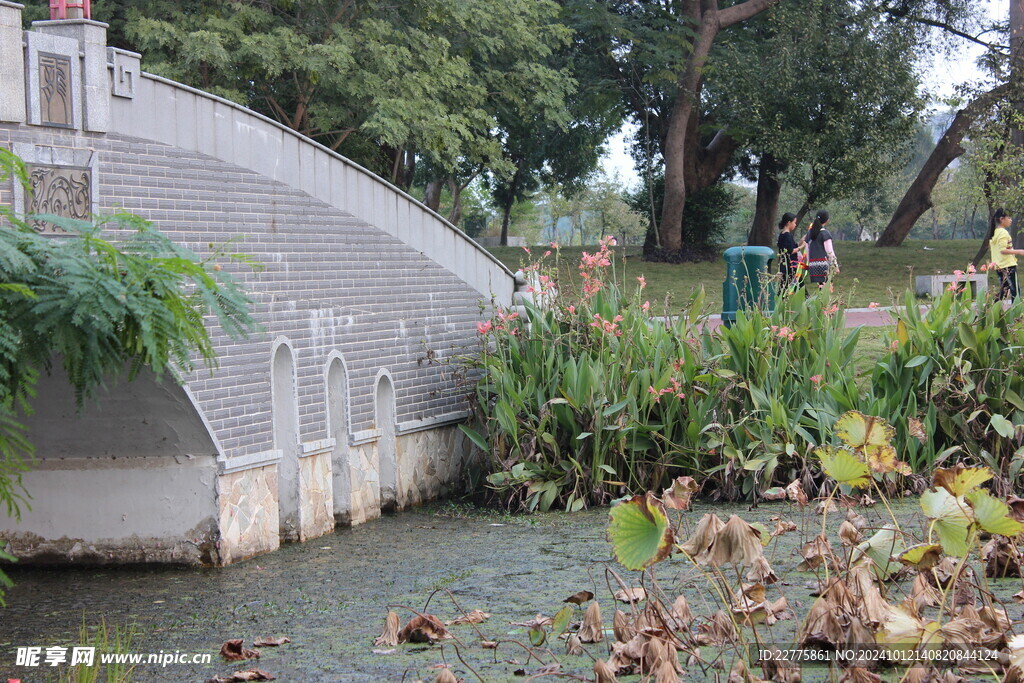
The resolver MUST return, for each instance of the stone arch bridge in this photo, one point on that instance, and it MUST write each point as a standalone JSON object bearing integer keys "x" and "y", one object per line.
{"x": 340, "y": 407}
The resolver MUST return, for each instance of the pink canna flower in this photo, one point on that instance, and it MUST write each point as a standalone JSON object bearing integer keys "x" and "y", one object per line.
{"x": 873, "y": 304}
{"x": 646, "y": 307}
{"x": 572, "y": 310}
{"x": 484, "y": 328}
{"x": 971, "y": 270}
{"x": 526, "y": 249}
{"x": 816, "y": 379}
{"x": 547, "y": 253}
{"x": 642, "y": 281}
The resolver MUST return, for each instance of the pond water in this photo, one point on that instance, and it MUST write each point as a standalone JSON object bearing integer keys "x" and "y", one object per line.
{"x": 330, "y": 596}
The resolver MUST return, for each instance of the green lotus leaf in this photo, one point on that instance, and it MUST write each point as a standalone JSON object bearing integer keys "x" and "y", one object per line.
{"x": 880, "y": 549}
{"x": 858, "y": 430}
{"x": 561, "y": 620}
{"x": 921, "y": 556}
{"x": 958, "y": 480}
{"x": 951, "y": 519}
{"x": 640, "y": 532}
{"x": 844, "y": 467}
{"x": 992, "y": 514}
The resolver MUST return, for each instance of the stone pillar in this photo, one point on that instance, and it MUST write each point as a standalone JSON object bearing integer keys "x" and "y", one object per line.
{"x": 12, "y": 63}
{"x": 92, "y": 41}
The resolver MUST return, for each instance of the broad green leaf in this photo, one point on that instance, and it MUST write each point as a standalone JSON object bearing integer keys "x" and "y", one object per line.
{"x": 1002, "y": 426}
{"x": 950, "y": 519}
{"x": 844, "y": 467}
{"x": 880, "y": 549}
{"x": 992, "y": 514}
{"x": 917, "y": 360}
{"x": 958, "y": 480}
{"x": 476, "y": 438}
{"x": 640, "y": 532}
{"x": 922, "y": 556}
{"x": 537, "y": 636}
{"x": 561, "y": 620}
{"x": 858, "y": 430}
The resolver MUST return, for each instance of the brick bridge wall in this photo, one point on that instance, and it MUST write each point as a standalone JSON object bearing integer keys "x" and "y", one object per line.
{"x": 343, "y": 404}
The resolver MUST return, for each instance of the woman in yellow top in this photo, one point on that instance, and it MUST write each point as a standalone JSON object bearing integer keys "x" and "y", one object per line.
{"x": 1004, "y": 256}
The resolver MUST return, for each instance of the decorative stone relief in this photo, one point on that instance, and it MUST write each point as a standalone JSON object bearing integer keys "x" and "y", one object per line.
{"x": 316, "y": 496}
{"x": 54, "y": 87}
{"x": 247, "y": 502}
{"x": 126, "y": 71}
{"x": 55, "y": 103}
{"x": 64, "y": 191}
{"x": 63, "y": 183}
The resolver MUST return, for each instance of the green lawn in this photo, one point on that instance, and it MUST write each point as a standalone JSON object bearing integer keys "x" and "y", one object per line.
{"x": 868, "y": 273}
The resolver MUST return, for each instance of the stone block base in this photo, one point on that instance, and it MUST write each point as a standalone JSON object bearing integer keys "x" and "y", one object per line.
{"x": 248, "y": 513}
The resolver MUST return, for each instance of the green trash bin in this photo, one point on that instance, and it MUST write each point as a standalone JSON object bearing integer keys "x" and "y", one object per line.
{"x": 746, "y": 284}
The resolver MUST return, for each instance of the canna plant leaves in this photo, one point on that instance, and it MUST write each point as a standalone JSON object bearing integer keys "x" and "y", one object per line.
{"x": 844, "y": 467}
{"x": 640, "y": 532}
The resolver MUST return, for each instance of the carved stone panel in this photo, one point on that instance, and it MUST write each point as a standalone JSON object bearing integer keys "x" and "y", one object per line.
{"x": 64, "y": 191}
{"x": 53, "y": 85}
{"x": 55, "y": 96}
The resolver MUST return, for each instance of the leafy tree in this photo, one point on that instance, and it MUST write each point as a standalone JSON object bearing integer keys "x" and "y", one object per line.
{"x": 387, "y": 84}
{"x": 96, "y": 307}
{"x": 839, "y": 110}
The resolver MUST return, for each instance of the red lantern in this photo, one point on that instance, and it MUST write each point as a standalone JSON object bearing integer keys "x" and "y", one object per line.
{"x": 79, "y": 9}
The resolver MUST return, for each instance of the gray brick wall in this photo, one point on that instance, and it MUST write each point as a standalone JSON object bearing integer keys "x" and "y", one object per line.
{"x": 330, "y": 282}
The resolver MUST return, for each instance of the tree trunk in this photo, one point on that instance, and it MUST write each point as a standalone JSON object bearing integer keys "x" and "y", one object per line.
{"x": 707, "y": 20}
{"x": 432, "y": 197}
{"x": 676, "y": 139}
{"x": 455, "y": 215}
{"x": 506, "y": 214}
{"x": 766, "y": 210}
{"x": 800, "y": 215}
{"x": 918, "y": 198}
{"x": 513, "y": 192}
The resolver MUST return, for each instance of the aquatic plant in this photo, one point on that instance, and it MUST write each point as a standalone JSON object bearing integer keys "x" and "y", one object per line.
{"x": 855, "y": 624}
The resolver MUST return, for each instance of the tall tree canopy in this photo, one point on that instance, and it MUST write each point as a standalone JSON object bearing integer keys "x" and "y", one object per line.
{"x": 840, "y": 106}
{"x": 384, "y": 83}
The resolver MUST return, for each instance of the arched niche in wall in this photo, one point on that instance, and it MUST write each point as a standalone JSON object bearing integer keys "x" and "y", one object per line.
{"x": 285, "y": 416}
{"x": 387, "y": 454}
{"x": 337, "y": 429}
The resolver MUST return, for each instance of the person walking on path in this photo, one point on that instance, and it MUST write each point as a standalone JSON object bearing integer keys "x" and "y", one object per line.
{"x": 788, "y": 250}
{"x": 821, "y": 257}
{"x": 1004, "y": 256}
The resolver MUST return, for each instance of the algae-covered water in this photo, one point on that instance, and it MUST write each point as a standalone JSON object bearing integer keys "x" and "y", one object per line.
{"x": 330, "y": 596}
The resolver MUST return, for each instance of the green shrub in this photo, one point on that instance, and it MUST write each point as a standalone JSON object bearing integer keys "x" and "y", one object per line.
{"x": 955, "y": 380}
{"x": 590, "y": 395}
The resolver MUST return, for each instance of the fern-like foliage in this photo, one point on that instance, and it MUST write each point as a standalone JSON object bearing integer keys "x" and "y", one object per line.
{"x": 97, "y": 307}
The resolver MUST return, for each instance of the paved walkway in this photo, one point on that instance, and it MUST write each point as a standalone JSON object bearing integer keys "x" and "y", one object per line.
{"x": 855, "y": 317}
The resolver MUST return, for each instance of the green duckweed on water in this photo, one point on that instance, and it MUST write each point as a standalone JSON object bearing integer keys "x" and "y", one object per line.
{"x": 330, "y": 596}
